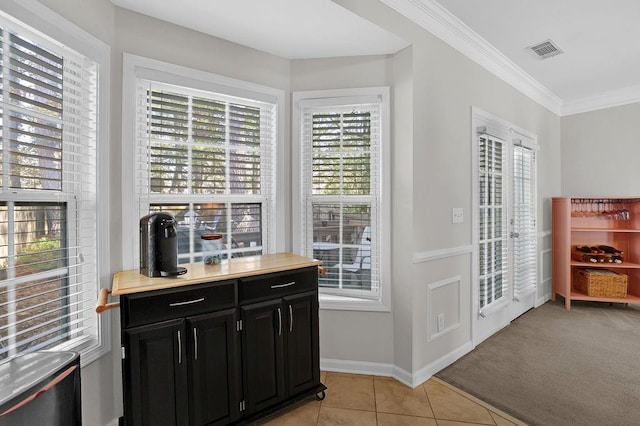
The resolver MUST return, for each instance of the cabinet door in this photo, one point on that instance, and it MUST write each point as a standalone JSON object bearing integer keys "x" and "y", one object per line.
{"x": 214, "y": 356}
{"x": 262, "y": 353}
{"x": 155, "y": 375}
{"x": 302, "y": 342}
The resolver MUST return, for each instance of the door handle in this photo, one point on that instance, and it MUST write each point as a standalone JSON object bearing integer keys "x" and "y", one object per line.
{"x": 279, "y": 322}
{"x": 283, "y": 285}
{"x": 179, "y": 348}
{"x": 290, "y": 319}
{"x": 188, "y": 302}
{"x": 195, "y": 343}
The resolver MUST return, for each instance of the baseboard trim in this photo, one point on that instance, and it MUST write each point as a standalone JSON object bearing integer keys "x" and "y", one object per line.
{"x": 541, "y": 301}
{"x": 390, "y": 370}
{"x": 365, "y": 367}
{"x": 446, "y": 360}
{"x": 357, "y": 367}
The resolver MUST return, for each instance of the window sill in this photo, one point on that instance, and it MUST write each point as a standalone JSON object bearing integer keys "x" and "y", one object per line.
{"x": 345, "y": 303}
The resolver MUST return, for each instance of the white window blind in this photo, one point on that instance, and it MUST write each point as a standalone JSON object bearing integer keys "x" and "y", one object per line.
{"x": 207, "y": 159}
{"x": 524, "y": 221}
{"x": 493, "y": 283}
{"x": 341, "y": 185}
{"x": 48, "y": 237}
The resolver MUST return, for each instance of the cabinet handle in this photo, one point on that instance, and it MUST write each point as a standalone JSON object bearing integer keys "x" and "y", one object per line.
{"x": 188, "y": 302}
{"x": 284, "y": 285}
{"x": 290, "y": 319}
{"x": 195, "y": 343}
{"x": 279, "y": 322}
{"x": 179, "y": 348}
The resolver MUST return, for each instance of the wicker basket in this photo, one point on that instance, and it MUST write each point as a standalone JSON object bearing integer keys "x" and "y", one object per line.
{"x": 600, "y": 283}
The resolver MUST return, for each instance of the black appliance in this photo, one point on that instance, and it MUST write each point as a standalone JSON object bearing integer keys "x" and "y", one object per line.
{"x": 159, "y": 246}
{"x": 41, "y": 388}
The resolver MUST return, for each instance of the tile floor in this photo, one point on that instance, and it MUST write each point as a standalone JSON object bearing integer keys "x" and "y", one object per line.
{"x": 353, "y": 399}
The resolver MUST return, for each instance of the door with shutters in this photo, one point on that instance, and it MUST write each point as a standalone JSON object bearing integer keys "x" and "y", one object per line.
{"x": 505, "y": 237}
{"x": 523, "y": 233}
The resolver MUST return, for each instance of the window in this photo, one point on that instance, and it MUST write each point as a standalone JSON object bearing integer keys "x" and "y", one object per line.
{"x": 342, "y": 179}
{"x": 207, "y": 158}
{"x": 49, "y": 258}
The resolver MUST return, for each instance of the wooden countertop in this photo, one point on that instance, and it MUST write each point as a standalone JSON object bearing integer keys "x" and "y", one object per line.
{"x": 132, "y": 281}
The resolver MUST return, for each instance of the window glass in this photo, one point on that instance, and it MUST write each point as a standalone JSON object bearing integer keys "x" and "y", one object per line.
{"x": 341, "y": 178}
{"x": 206, "y": 159}
{"x": 48, "y": 244}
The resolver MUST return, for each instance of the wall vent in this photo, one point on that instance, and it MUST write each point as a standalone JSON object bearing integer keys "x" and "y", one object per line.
{"x": 546, "y": 49}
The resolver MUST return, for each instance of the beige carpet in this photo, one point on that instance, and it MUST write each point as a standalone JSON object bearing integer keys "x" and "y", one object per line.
{"x": 557, "y": 367}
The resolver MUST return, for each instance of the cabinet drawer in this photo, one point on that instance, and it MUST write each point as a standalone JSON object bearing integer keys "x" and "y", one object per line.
{"x": 161, "y": 305}
{"x": 278, "y": 284}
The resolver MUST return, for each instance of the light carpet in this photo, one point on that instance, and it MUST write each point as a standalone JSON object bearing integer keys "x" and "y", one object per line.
{"x": 557, "y": 367}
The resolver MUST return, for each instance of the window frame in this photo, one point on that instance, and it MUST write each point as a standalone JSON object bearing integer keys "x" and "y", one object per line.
{"x": 138, "y": 67}
{"x": 339, "y": 98}
{"x": 45, "y": 25}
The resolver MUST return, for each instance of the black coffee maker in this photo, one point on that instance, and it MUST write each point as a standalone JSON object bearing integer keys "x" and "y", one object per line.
{"x": 159, "y": 246}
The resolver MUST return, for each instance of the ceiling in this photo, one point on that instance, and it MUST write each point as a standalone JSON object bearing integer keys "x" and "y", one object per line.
{"x": 600, "y": 40}
{"x": 600, "y": 63}
{"x": 292, "y": 29}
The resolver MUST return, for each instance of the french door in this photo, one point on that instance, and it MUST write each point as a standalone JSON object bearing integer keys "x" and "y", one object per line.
{"x": 505, "y": 236}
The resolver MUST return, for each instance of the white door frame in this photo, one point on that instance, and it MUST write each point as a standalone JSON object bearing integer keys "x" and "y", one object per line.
{"x": 494, "y": 318}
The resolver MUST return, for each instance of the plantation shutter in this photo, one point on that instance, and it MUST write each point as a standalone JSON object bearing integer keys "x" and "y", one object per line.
{"x": 208, "y": 156}
{"x": 341, "y": 183}
{"x": 493, "y": 217}
{"x": 48, "y": 250}
{"x": 524, "y": 221}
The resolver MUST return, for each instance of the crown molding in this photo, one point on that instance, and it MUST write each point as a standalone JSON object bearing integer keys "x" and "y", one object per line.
{"x": 434, "y": 18}
{"x": 610, "y": 99}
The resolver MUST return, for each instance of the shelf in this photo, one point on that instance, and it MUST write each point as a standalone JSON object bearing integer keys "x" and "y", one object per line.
{"x": 575, "y": 295}
{"x": 626, "y": 230}
{"x": 624, "y": 265}
{"x": 569, "y": 231}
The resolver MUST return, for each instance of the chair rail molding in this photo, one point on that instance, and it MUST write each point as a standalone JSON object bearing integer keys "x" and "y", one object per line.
{"x": 428, "y": 256}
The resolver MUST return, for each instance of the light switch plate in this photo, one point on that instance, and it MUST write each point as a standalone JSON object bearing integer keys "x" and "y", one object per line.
{"x": 440, "y": 325}
{"x": 457, "y": 215}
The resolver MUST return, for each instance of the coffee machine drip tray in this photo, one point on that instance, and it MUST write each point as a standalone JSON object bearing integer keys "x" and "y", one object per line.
{"x": 173, "y": 272}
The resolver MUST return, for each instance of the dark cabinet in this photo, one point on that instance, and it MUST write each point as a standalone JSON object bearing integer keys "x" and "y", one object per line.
{"x": 182, "y": 371}
{"x": 155, "y": 371}
{"x": 280, "y": 349}
{"x": 280, "y": 341}
{"x": 220, "y": 353}
{"x": 214, "y": 393}
{"x": 263, "y": 355}
{"x": 302, "y": 342}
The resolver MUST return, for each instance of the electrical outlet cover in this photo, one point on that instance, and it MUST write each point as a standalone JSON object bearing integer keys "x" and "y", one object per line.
{"x": 457, "y": 215}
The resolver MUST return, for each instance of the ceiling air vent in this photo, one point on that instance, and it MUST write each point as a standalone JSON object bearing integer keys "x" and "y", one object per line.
{"x": 546, "y": 49}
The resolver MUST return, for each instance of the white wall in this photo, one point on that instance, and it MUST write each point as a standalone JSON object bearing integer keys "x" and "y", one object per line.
{"x": 346, "y": 335}
{"x": 445, "y": 87}
{"x": 129, "y": 32}
{"x": 433, "y": 90}
{"x": 601, "y": 152}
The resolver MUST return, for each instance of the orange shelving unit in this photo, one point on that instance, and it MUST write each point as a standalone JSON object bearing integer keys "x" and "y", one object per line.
{"x": 593, "y": 221}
